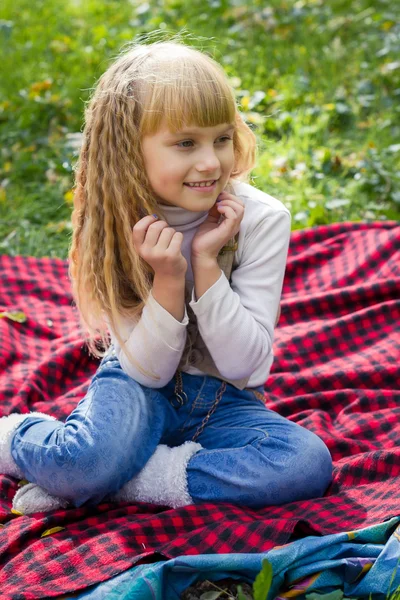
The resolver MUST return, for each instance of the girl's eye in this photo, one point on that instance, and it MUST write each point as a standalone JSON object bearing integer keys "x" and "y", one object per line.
{"x": 190, "y": 141}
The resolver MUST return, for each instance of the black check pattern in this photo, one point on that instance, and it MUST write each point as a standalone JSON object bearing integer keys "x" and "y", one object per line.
{"x": 336, "y": 372}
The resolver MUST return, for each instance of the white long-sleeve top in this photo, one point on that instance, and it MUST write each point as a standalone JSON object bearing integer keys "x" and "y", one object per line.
{"x": 235, "y": 321}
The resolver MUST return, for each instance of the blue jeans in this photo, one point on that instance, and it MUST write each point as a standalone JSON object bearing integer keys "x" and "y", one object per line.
{"x": 251, "y": 455}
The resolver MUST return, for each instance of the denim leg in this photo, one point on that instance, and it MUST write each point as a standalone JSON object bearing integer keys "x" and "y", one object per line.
{"x": 103, "y": 443}
{"x": 254, "y": 457}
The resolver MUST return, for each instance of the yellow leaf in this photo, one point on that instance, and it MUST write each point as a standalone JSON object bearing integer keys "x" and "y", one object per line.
{"x": 387, "y": 25}
{"x": 19, "y": 317}
{"x": 51, "y": 531}
{"x": 23, "y": 482}
{"x": 7, "y": 166}
{"x": 329, "y": 106}
{"x": 3, "y": 195}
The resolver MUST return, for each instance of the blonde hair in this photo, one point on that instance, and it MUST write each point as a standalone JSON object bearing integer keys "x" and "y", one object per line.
{"x": 146, "y": 84}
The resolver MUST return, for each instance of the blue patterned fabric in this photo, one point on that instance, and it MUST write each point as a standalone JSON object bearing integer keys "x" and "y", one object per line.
{"x": 359, "y": 562}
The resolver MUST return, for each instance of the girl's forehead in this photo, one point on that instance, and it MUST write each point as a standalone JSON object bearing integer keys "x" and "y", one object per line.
{"x": 193, "y": 129}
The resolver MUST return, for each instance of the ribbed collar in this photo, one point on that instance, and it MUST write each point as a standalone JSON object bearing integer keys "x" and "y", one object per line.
{"x": 182, "y": 219}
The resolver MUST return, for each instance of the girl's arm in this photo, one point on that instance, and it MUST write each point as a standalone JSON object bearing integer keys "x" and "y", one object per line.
{"x": 170, "y": 293}
{"x": 157, "y": 340}
{"x": 237, "y": 321}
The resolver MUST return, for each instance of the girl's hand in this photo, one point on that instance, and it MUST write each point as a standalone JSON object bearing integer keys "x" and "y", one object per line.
{"x": 160, "y": 246}
{"x": 211, "y": 236}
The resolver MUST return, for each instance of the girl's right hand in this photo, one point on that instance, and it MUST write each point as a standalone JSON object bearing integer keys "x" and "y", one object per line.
{"x": 160, "y": 246}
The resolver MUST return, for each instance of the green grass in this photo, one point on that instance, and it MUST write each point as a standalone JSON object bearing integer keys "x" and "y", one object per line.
{"x": 318, "y": 82}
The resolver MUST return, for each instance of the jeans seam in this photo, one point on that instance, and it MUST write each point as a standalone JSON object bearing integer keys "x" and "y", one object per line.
{"x": 189, "y": 418}
{"x": 196, "y": 403}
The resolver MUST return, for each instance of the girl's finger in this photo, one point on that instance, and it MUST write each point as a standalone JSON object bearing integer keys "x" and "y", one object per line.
{"x": 226, "y": 196}
{"x": 239, "y": 210}
{"x": 228, "y": 212}
{"x": 164, "y": 238}
{"x": 157, "y": 230}
{"x": 231, "y": 201}
{"x": 176, "y": 241}
{"x": 140, "y": 229}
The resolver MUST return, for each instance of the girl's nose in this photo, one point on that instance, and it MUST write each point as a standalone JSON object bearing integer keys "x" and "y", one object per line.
{"x": 209, "y": 163}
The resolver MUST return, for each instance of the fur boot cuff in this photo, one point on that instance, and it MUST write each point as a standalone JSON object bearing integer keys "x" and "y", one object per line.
{"x": 163, "y": 479}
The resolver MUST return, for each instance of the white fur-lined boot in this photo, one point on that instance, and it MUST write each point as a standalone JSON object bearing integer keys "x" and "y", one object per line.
{"x": 30, "y": 498}
{"x": 163, "y": 480}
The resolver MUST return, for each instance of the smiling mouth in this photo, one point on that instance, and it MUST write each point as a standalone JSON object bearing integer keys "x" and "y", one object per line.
{"x": 201, "y": 187}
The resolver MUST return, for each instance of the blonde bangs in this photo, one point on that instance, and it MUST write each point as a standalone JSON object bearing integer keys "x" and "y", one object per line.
{"x": 194, "y": 92}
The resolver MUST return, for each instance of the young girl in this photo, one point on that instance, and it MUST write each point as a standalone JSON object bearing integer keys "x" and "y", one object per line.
{"x": 181, "y": 261}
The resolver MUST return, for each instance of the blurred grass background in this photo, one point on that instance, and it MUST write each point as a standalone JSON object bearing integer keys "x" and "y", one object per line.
{"x": 318, "y": 82}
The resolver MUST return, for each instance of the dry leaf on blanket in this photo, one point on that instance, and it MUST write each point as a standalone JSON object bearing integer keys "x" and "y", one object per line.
{"x": 19, "y": 317}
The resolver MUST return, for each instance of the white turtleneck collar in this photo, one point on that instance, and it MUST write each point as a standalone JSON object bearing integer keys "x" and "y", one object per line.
{"x": 182, "y": 219}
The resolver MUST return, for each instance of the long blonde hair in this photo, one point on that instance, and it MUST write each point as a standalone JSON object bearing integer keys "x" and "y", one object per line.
{"x": 146, "y": 84}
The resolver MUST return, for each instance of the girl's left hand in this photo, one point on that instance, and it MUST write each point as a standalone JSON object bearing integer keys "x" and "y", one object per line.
{"x": 211, "y": 236}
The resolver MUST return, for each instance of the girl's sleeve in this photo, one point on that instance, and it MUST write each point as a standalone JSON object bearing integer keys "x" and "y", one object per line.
{"x": 156, "y": 342}
{"x": 237, "y": 321}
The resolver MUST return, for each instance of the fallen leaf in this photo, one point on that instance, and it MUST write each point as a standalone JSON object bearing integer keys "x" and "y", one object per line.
{"x": 19, "y": 317}
{"x": 52, "y": 530}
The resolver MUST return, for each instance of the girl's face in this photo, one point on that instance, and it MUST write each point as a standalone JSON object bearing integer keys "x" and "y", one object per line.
{"x": 195, "y": 154}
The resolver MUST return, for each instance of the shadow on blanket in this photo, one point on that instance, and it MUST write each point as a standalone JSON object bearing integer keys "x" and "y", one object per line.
{"x": 336, "y": 372}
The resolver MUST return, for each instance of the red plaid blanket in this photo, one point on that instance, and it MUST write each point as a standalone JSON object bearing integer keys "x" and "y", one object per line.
{"x": 336, "y": 372}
